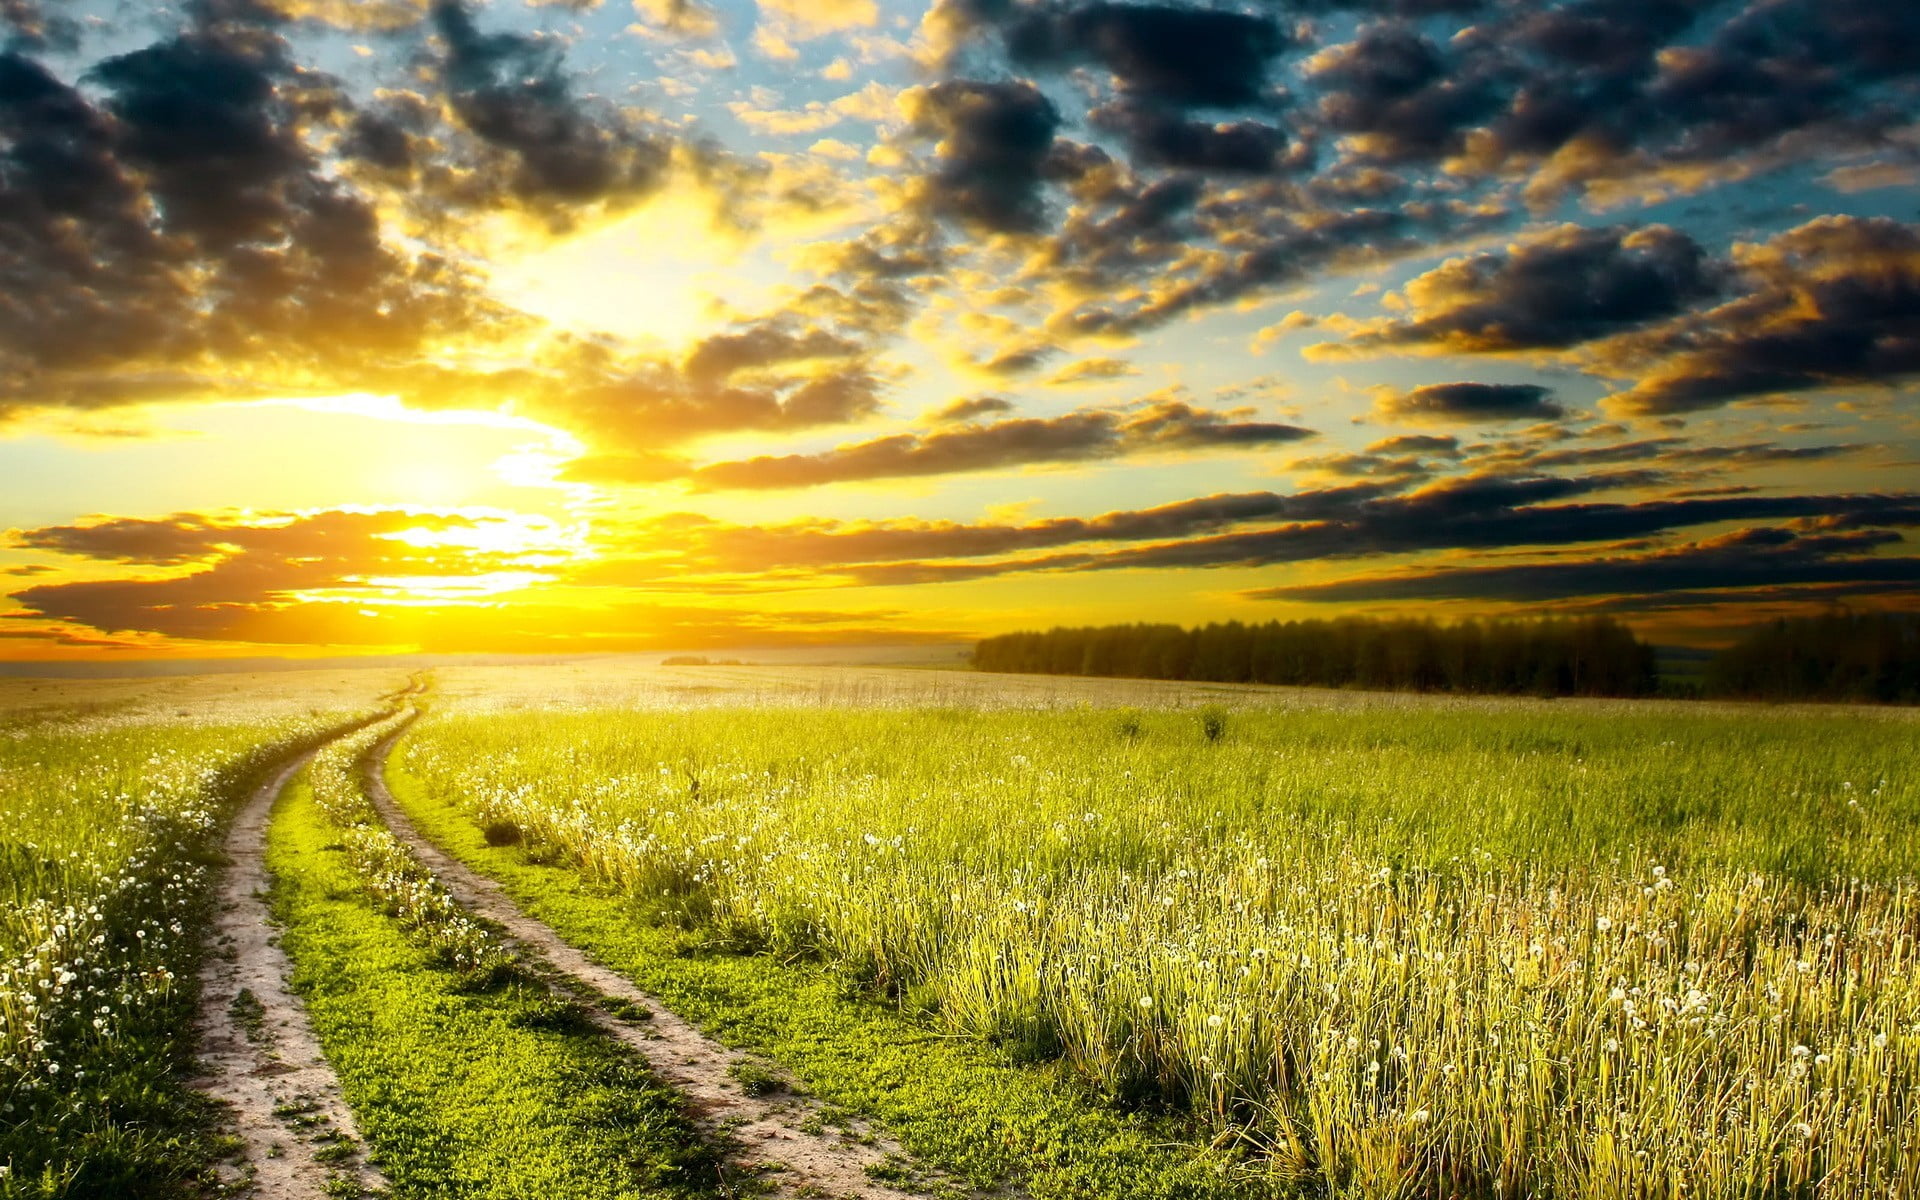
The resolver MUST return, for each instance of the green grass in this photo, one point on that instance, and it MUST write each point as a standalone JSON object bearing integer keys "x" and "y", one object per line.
{"x": 110, "y": 828}
{"x": 1427, "y": 947}
{"x": 500, "y": 1095}
{"x": 969, "y": 1109}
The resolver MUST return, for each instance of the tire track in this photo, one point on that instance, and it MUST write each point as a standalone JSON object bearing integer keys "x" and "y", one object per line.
{"x": 257, "y": 1050}
{"x": 781, "y": 1137}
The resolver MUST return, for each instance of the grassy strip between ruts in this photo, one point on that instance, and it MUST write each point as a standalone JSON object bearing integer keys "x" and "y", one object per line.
{"x": 504, "y": 1093}
{"x": 961, "y": 1106}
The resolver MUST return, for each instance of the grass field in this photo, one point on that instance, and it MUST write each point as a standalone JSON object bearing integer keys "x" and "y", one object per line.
{"x": 1072, "y": 938}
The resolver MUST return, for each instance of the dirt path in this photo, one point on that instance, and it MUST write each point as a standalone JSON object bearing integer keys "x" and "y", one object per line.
{"x": 256, "y": 1047}
{"x": 782, "y": 1136}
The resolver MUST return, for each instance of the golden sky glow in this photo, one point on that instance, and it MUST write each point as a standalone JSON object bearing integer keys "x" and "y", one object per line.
{"x": 535, "y": 327}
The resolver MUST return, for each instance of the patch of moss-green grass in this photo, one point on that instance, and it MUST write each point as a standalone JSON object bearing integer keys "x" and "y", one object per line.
{"x": 961, "y": 1106}
{"x": 463, "y": 1095}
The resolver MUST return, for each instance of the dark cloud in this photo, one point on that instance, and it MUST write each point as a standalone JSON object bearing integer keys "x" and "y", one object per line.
{"x": 32, "y": 28}
{"x": 1567, "y": 286}
{"x": 559, "y": 153}
{"x": 1017, "y": 359}
{"x": 1675, "y": 451}
{"x": 1080, "y": 436}
{"x": 1480, "y": 513}
{"x": 261, "y": 588}
{"x": 1249, "y": 242}
{"x": 1366, "y": 466}
{"x": 1832, "y": 303}
{"x": 968, "y": 409}
{"x": 633, "y": 415}
{"x": 770, "y": 343}
{"x": 1400, "y": 97}
{"x": 1159, "y": 54}
{"x": 994, "y": 142}
{"x": 192, "y": 537}
{"x": 1489, "y": 514}
{"x": 1764, "y": 557}
{"x": 714, "y": 546}
{"x": 180, "y": 232}
{"x": 1444, "y": 446}
{"x": 1093, "y": 370}
{"x": 254, "y": 568}
{"x": 1157, "y": 137}
{"x": 1470, "y": 403}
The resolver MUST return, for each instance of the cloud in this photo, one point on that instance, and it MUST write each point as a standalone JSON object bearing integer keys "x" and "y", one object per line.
{"x": 34, "y": 29}
{"x": 1158, "y": 137}
{"x": 1399, "y": 97}
{"x": 1470, "y": 403}
{"x": 1081, "y": 436}
{"x": 555, "y": 152}
{"x": 1832, "y": 303}
{"x": 994, "y": 139}
{"x": 968, "y": 409}
{"x": 1158, "y": 54}
{"x": 635, "y": 417}
{"x": 1765, "y": 557}
{"x": 1560, "y": 288}
{"x": 1475, "y": 513}
{"x": 701, "y": 544}
{"x": 253, "y": 571}
{"x": 1445, "y": 446}
{"x": 768, "y": 343}
{"x": 812, "y": 18}
{"x": 1092, "y": 370}
{"x": 192, "y": 537}
{"x": 172, "y": 229}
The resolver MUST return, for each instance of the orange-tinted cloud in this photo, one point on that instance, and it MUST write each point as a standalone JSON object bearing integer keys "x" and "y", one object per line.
{"x": 1081, "y": 436}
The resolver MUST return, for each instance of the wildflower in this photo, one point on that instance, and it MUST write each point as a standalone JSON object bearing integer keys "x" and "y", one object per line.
{"x": 1216, "y": 1021}
{"x": 1419, "y": 1116}
{"x": 1146, "y": 1002}
{"x": 1603, "y": 923}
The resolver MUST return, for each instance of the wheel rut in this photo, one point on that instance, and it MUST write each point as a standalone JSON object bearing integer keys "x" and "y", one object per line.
{"x": 258, "y": 1053}
{"x": 781, "y": 1137}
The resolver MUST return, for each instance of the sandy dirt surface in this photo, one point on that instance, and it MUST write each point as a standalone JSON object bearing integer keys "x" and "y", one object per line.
{"x": 772, "y": 1131}
{"x": 257, "y": 1050}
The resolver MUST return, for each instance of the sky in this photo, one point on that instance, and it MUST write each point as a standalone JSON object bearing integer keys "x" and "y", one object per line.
{"x": 373, "y": 326}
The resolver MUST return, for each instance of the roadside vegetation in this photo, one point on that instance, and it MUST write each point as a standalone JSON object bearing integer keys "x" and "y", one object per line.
{"x": 1465, "y": 949}
{"x": 109, "y": 836}
{"x": 469, "y": 1077}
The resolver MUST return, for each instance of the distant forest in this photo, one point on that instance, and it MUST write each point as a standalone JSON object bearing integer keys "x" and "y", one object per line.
{"x": 1871, "y": 657}
{"x": 1839, "y": 656}
{"x": 1596, "y": 656}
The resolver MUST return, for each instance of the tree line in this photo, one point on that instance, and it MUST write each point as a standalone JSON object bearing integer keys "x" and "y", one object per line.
{"x": 1869, "y": 657}
{"x": 1594, "y": 656}
{"x": 1836, "y": 656}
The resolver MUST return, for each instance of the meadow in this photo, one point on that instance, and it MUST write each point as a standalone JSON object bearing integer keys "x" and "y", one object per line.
{"x": 1386, "y": 947}
{"x": 1059, "y": 938}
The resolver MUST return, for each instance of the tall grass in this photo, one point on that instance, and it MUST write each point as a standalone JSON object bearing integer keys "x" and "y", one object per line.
{"x": 1436, "y": 950}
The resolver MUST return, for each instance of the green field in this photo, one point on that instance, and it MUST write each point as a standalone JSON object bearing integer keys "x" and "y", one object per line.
{"x": 1063, "y": 938}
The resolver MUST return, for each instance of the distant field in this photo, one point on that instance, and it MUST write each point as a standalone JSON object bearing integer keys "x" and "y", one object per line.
{"x": 1076, "y": 937}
